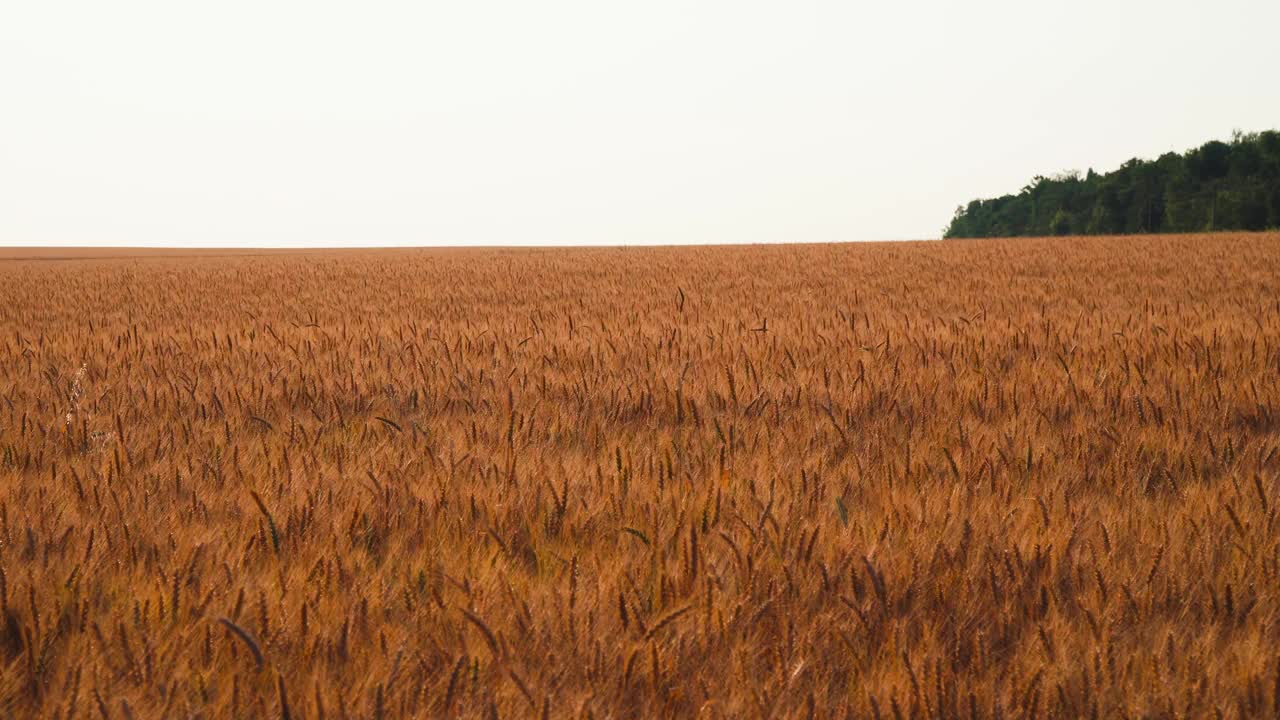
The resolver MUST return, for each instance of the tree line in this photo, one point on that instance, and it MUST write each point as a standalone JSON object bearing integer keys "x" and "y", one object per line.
{"x": 1218, "y": 186}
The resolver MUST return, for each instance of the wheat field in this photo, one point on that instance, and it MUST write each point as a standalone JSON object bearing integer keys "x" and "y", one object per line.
{"x": 978, "y": 479}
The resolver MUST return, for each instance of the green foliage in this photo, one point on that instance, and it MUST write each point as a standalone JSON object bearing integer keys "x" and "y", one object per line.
{"x": 1217, "y": 186}
{"x": 1061, "y": 224}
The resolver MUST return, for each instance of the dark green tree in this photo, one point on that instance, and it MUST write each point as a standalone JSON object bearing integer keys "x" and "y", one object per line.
{"x": 1217, "y": 186}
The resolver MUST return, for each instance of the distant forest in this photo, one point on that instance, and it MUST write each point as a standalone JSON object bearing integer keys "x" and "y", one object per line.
{"x": 1217, "y": 186}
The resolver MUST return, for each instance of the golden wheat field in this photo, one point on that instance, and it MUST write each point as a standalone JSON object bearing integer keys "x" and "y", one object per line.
{"x": 980, "y": 479}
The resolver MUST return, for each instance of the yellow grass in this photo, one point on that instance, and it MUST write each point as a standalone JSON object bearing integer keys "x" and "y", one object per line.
{"x": 1021, "y": 478}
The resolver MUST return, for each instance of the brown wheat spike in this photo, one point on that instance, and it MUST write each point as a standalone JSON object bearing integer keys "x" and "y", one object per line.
{"x": 246, "y": 638}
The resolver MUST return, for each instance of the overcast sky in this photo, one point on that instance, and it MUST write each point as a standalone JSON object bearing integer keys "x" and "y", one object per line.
{"x": 272, "y": 122}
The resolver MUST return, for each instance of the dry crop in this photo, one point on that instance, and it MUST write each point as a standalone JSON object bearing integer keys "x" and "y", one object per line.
{"x": 1023, "y": 478}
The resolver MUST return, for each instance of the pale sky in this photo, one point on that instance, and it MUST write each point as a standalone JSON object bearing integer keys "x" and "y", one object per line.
{"x": 495, "y": 122}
